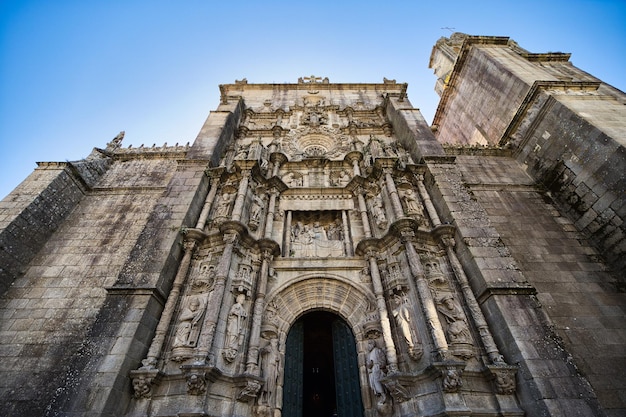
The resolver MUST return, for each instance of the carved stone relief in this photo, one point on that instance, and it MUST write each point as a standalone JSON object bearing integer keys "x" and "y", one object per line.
{"x": 188, "y": 328}
{"x": 317, "y": 237}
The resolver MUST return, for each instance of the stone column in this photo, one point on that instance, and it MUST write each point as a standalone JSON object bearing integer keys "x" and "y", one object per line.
{"x": 241, "y": 195}
{"x": 393, "y": 195}
{"x": 364, "y": 217}
{"x": 269, "y": 222}
{"x": 434, "y": 217}
{"x": 154, "y": 352}
{"x": 205, "y": 341}
{"x": 347, "y": 242}
{"x": 215, "y": 181}
{"x": 426, "y": 299}
{"x": 287, "y": 235}
{"x": 252, "y": 362}
{"x": 477, "y": 315}
{"x": 390, "y": 346}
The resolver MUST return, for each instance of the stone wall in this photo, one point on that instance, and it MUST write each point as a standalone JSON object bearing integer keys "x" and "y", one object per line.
{"x": 31, "y": 213}
{"x": 69, "y": 321}
{"x": 546, "y": 289}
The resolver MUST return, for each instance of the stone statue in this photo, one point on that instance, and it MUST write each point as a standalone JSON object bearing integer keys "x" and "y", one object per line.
{"x": 223, "y": 205}
{"x": 188, "y": 322}
{"x": 270, "y": 363}
{"x": 376, "y": 367}
{"x": 403, "y": 319}
{"x": 234, "y": 328}
{"x": 458, "y": 331}
{"x": 379, "y": 213}
{"x": 410, "y": 200}
{"x": 257, "y": 208}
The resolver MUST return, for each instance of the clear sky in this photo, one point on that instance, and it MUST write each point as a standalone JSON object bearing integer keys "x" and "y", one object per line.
{"x": 74, "y": 73}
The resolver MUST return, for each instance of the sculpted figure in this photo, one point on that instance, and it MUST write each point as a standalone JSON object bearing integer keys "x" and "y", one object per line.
{"x": 234, "y": 325}
{"x": 403, "y": 320}
{"x": 376, "y": 366}
{"x": 505, "y": 383}
{"x": 257, "y": 208}
{"x": 188, "y": 321}
{"x": 452, "y": 381}
{"x": 270, "y": 358}
{"x": 458, "y": 332}
{"x": 142, "y": 387}
{"x": 379, "y": 213}
{"x": 410, "y": 200}
{"x": 335, "y": 231}
{"x": 223, "y": 205}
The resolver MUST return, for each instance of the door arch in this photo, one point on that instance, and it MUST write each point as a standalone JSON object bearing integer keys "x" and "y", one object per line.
{"x": 321, "y": 375}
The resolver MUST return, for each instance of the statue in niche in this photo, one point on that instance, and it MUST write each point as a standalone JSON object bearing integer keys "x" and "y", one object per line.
{"x": 270, "y": 364}
{"x": 377, "y": 370}
{"x": 458, "y": 331}
{"x": 187, "y": 330}
{"x": 379, "y": 212}
{"x": 411, "y": 202}
{"x": 402, "y": 315}
{"x": 223, "y": 205}
{"x": 257, "y": 208}
{"x": 234, "y": 328}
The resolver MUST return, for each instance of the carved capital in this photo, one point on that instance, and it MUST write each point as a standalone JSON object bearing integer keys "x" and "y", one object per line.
{"x": 143, "y": 381}
{"x": 230, "y": 238}
{"x": 503, "y": 379}
{"x": 452, "y": 381}
{"x": 397, "y": 387}
{"x": 196, "y": 383}
{"x": 250, "y": 390}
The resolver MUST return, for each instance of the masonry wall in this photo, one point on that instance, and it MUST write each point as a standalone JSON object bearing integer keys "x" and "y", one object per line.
{"x": 31, "y": 213}
{"x": 542, "y": 285}
{"x": 63, "y": 321}
{"x": 583, "y": 164}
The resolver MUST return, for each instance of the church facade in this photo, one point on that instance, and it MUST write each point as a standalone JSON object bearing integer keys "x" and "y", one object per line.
{"x": 321, "y": 250}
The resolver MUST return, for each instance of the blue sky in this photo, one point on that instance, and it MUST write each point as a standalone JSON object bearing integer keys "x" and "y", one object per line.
{"x": 73, "y": 73}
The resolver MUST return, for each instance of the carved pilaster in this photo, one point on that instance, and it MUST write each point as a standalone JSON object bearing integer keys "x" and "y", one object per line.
{"x": 363, "y": 210}
{"x": 477, "y": 315}
{"x": 259, "y": 305}
{"x": 269, "y": 221}
{"x": 426, "y": 299}
{"x": 393, "y": 194}
{"x": 208, "y": 202}
{"x": 154, "y": 352}
{"x": 215, "y": 302}
{"x": 390, "y": 347}
{"x": 428, "y": 204}
{"x": 241, "y": 195}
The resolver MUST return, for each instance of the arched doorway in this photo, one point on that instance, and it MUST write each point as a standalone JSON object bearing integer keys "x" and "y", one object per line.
{"x": 321, "y": 368}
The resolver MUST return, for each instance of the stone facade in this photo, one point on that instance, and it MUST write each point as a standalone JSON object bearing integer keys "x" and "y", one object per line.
{"x": 172, "y": 281}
